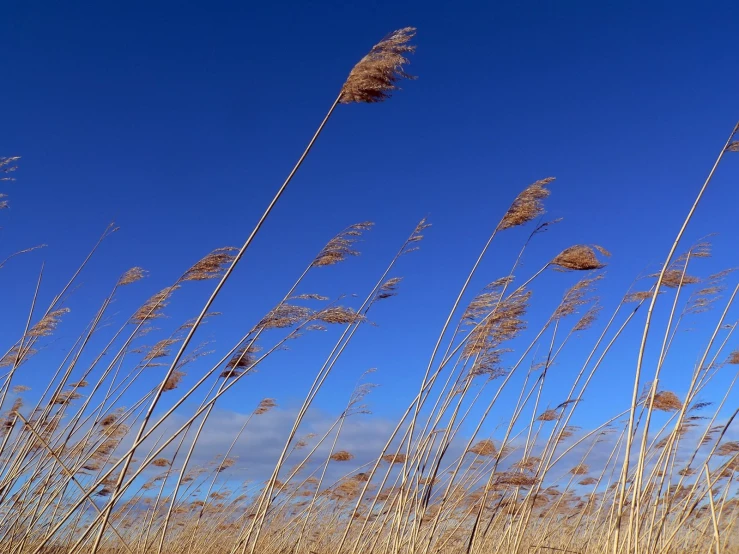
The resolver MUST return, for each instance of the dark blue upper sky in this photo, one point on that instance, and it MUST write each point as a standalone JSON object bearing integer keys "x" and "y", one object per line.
{"x": 179, "y": 120}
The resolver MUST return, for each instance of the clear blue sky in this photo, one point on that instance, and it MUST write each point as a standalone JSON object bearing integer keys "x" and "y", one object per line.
{"x": 179, "y": 120}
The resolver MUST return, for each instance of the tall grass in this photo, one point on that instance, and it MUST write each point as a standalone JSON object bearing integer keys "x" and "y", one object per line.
{"x": 81, "y": 472}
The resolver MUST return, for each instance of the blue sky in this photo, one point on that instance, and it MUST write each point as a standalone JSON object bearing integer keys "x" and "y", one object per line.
{"x": 180, "y": 120}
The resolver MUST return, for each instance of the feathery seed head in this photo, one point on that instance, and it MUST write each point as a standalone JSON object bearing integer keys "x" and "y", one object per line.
{"x": 574, "y": 298}
{"x": 515, "y": 479}
{"x": 728, "y": 448}
{"x": 675, "y": 278}
{"x": 485, "y": 447}
{"x": 589, "y": 318}
{"x": 567, "y": 432}
{"x": 265, "y": 405}
{"x": 212, "y": 266}
{"x": 339, "y": 315}
{"x": 242, "y": 359}
{"x": 527, "y": 205}
{"x": 548, "y": 415}
{"x": 108, "y": 420}
{"x": 341, "y": 246}
{"x": 398, "y": 458}
{"x": 503, "y": 324}
{"x": 375, "y": 76}
{"x": 527, "y": 464}
{"x": 415, "y": 237}
{"x": 47, "y": 324}
{"x": 153, "y": 307}
{"x": 486, "y": 302}
{"x": 65, "y": 397}
{"x": 388, "y": 288}
{"x": 578, "y": 258}
{"x": 666, "y": 401}
{"x": 159, "y": 350}
{"x": 342, "y": 456}
{"x": 638, "y": 296}
{"x": 285, "y": 315}
{"x": 173, "y": 380}
{"x": 131, "y": 276}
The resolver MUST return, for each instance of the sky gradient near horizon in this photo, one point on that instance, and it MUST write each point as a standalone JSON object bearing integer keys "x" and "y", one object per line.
{"x": 179, "y": 121}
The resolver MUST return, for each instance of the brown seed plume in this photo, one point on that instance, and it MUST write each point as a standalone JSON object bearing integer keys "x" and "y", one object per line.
{"x": 575, "y": 297}
{"x": 527, "y": 464}
{"x": 173, "y": 380}
{"x": 92, "y": 465}
{"x": 728, "y": 448}
{"x": 131, "y": 276}
{"x": 638, "y": 296}
{"x": 375, "y": 76}
{"x": 588, "y": 481}
{"x": 285, "y": 315}
{"x": 339, "y": 315}
{"x": 65, "y": 397}
{"x": 388, "y": 288}
{"x": 153, "y": 307}
{"x": 394, "y": 458}
{"x": 265, "y": 405}
{"x": 161, "y": 462}
{"x": 515, "y": 479}
{"x": 415, "y": 237}
{"x": 733, "y": 146}
{"x": 341, "y": 246}
{"x": 580, "y": 469}
{"x": 548, "y": 415}
{"x": 486, "y": 301}
{"x": 342, "y": 456}
{"x": 587, "y": 320}
{"x": 108, "y": 420}
{"x": 241, "y": 360}
{"x": 159, "y": 350}
{"x": 579, "y": 258}
{"x": 212, "y": 266}
{"x": 346, "y": 490}
{"x": 675, "y": 278}
{"x": 527, "y": 205}
{"x": 503, "y": 324}
{"x": 48, "y": 323}
{"x": 485, "y": 447}
{"x": 568, "y": 431}
{"x": 666, "y": 401}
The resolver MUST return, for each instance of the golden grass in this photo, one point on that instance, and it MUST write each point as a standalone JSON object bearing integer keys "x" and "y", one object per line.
{"x": 83, "y": 471}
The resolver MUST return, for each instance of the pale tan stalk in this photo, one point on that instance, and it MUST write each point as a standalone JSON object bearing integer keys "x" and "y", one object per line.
{"x": 714, "y": 521}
